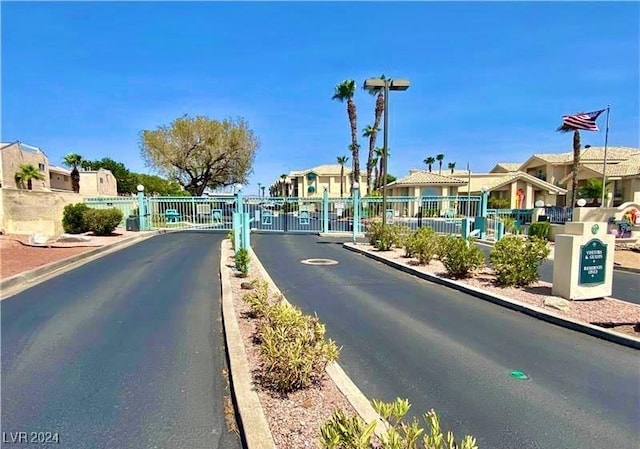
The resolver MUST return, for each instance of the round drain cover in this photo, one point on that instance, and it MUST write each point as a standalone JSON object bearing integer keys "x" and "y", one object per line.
{"x": 319, "y": 262}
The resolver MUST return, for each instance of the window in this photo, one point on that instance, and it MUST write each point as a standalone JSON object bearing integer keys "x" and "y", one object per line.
{"x": 66, "y": 178}
{"x": 41, "y": 166}
{"x": 101, "y": 181}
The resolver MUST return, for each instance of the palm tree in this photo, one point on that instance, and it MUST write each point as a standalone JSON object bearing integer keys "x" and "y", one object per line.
{"x": 440, "y": 158}
{"x": 376, "y": 175}
{"x": 344, "y": 92}
{"x": 564, "y": 128}
{"x": 262, "y": 188}
{"x": 74, "y": 160}
{"x": 379, "y": 155}
{"x": 429, "y": 162}
{"x": 370, "y": 132}
{"x": 452, "y": 166}
{"x": 379, "y": 110}
{"x": 342, "y": 160}
{"x": 27, "y": 173}
{"x": 283, "y": 180}
{"x": 592, "y": 190}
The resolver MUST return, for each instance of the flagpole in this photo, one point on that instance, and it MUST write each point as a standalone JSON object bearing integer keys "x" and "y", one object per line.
{"x": 468, "y": 191}
{"x": 604, "y": 165}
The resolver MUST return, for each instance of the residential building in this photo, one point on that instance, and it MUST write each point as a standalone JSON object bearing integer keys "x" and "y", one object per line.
{"x": 556, "y": 169}
{"x": 311, "y": 183}
{"x": 13, "y": 155}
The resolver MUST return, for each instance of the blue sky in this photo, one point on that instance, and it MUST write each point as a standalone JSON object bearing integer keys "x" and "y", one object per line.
{"x": 489, "y": 81}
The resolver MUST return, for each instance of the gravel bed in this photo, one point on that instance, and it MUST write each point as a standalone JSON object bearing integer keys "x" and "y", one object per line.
{"x": 294, "y": 420}
{"x": 616, "y": 315}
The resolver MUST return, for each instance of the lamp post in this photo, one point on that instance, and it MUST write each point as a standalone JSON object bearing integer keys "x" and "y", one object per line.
{"x": 387, "y": 85}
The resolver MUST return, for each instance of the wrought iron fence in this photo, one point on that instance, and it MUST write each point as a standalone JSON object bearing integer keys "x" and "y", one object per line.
{"x": 128, "y": 205}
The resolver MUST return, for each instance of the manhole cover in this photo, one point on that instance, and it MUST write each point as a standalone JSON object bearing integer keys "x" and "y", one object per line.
{"x": 319, "y": 262}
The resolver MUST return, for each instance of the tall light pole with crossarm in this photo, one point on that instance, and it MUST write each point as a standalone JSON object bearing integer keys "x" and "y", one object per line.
{"x": 387, "y": 85}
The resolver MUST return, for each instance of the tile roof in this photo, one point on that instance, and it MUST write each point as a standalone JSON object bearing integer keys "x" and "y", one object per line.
{"x": 56, "y": 169}
{"x": 426, "y": 178}
{"x": 590, "y": 154}
{"x": 509, "y": 166}
{"x": 630, "y": 167}
{"x": 496, "y": 180}
{"x": 326, "y": 169}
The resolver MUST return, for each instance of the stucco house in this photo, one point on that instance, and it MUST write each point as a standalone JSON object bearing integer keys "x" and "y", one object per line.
{"x": 556, "y": 169}
{"x": 310, "y": 183}
{"x": 12, "y": 155}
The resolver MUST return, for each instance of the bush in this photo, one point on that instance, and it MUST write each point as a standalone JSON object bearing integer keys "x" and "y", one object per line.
{"x": 293, "y": 349}
{"x": 242, "y": 260}
{"x": 342, "y": 432}
{"x": 103, "y": 221}
{"x": 258, "y": 300}
{"x": 516, "y": 260}
{"x": 422, "y": 244}
{"x": 400, "y": 234}
{"x": 73, "y": 221}
{"x": 540, "y": 229}
{"x": 381, "y": 237}
{"x": 461, "y": 257}
{"x": 231, "y": 237}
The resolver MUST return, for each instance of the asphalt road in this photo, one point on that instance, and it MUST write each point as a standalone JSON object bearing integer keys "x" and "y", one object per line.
{"x": 124, "y": 352}
{"x": 442, "y": 349}
{"x": 626, "y": 285}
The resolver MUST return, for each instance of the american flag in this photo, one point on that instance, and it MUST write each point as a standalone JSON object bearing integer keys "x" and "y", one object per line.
{"x": 583, "y": 120}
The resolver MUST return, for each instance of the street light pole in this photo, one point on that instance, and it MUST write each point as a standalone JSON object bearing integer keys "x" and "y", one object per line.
{"x": 384, "y": 152}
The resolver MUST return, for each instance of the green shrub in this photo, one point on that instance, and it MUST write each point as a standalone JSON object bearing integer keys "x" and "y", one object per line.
{"x": 293, "y": 349}
{"x": 509, "y": 224}
{"x": 103, "y": 221}
{"x": 381, "y": 237}
{"x": 540, "y": 229}
{"x": 400, "y": 235}
{"x": 461, "y": 257}
{"x": 422, "y": 244}
{"x": 343, "y": 432}
{"x": 516, "y": 260}
{"x": 231, "y": 237}
{"x": 73, "y": 221}
{"x": 258, "y": 300}
{"x": 242, "y": 260}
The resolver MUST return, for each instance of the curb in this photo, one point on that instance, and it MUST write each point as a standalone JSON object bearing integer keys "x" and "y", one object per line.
{"x": 253, "y": 422}
{"x": 533, "y": 311}
{"x": 350, "y": 390}
{"x": 34, "y": 276}
{"x": 627, "y": 269}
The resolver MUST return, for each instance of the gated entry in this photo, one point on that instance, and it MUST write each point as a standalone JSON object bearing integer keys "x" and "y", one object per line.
{"x": 298, "y": 215}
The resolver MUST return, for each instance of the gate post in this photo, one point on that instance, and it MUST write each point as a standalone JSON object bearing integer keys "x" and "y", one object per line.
{"x": 466, "y": 228}
{"x": 356, "y": 210}
{"x": 238, "y": 218}
{"x": 499, "y": 230}
{"x": 484, "y": 200}
{"x": 236, "y": 230}
{"x": 325, "y": 211}
{"x": 142, "y": 210}
{"x": 246, "y": 230}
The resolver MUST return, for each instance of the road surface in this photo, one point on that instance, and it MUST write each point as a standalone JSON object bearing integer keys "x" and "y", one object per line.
{"x": 124, "y": 352}
{"x": 442, "y": 349}
{"x": 626, "y": 285}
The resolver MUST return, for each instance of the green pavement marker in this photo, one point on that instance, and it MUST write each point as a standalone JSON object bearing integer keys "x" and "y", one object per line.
{"x": 519, "y": 375}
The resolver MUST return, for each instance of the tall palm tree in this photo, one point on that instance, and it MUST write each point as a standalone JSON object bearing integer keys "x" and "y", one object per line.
{"x": 452, "y": 166}
{"x": 379, "y": 110}
{"x": 376, "y": 174}
{"x": 74, "y": 160}
{"x": 27, "y": 173}
{"x": 429, "y": 162}
{"x": 342, "y": 160}
{"x": 344, "y": 92}
{"x": 440, "y": 158}
{"x": 370, "y": 132}
{"x": 262, "y": 188}
{"x": 283, "y": 184}
{"x": 576, "y": 161}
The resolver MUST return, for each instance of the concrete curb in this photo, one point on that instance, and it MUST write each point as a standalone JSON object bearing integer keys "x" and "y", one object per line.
{"x": 28, "y": 279}
{"x": 504, "y": 301}
{"x": 627, "y": 269}
{"x": 350, "y": 390}
{"x": 253, "y": 422}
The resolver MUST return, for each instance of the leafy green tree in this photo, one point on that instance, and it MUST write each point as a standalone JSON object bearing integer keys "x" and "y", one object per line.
{"x": 199, "y": 152}
{"x": 27, "y": 173}
{"x": 155, "y": 185}
{"x": 592, "y": 190}
{"x": 74, "y": 160}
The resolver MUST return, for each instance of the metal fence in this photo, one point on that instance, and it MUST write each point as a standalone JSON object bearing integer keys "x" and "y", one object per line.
{"x": 300, "y": 215}
{"x": 127, "y": 205}
{"x": 190, "y": 212}
{"x": 558, "y": 214}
